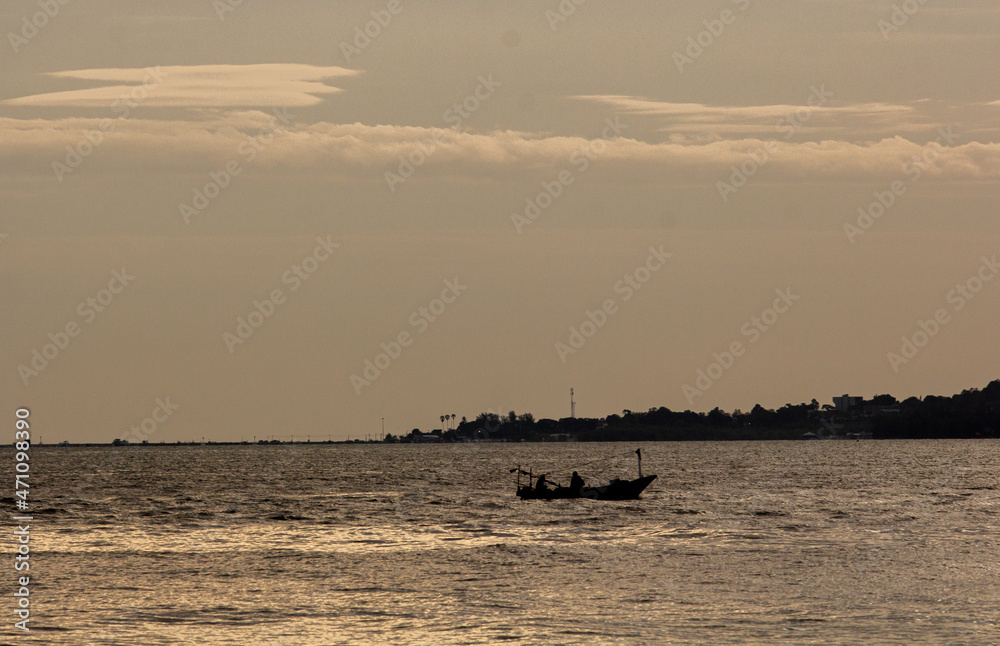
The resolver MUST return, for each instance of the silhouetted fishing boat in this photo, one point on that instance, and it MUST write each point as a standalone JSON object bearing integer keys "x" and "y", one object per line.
{"x": 615, "y": 490}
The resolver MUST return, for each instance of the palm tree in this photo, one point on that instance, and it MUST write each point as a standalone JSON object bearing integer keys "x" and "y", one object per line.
{"x": 453, "y": 419}
{"x": 442, "y": 420}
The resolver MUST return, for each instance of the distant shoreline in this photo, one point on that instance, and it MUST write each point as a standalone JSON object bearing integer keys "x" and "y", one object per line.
{"x": 973, "y": 413}
{"x": 477, "y": 442}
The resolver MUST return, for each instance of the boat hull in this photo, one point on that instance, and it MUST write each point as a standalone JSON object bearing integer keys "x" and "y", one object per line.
{"x": 615, "y": 490}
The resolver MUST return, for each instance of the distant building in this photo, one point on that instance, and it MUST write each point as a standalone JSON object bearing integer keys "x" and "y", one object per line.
{"x": 848, "y": 404}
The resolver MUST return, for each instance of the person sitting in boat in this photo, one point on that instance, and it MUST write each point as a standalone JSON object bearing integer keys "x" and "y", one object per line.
{"x": 576, "y": 484}
{"x": 540, "y": 484}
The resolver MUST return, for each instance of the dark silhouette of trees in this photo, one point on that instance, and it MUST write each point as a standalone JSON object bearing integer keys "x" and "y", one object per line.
{"x": 971, "y": 413}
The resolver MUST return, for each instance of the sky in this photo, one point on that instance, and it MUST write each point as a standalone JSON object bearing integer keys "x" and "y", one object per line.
{"x": 238, "y": 220}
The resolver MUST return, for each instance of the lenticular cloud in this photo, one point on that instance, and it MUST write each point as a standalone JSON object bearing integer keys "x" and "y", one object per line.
{"x": 199, "y": 86}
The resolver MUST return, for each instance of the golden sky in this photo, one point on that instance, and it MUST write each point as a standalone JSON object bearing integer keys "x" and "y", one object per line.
{"x": 297, "y": 218}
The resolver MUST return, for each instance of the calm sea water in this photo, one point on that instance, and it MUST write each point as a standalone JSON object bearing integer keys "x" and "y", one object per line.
{"x": 794, "y": 542}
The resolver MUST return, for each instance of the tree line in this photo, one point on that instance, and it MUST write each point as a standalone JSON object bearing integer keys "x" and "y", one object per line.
{"x": 971, "y": 413}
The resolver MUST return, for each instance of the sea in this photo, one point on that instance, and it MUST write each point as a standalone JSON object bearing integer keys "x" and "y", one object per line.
{"x": 800, "y": 542}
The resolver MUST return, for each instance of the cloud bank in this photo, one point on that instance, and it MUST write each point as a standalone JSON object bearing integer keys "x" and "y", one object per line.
{"x": 219, "y": 120}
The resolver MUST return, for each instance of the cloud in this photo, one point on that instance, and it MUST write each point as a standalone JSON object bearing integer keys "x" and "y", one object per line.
{"x": 197, "y": 86}
{"x": 815, "y": 117}
{"x": 722, "y": 114}
{"x": 360, "y": 150}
